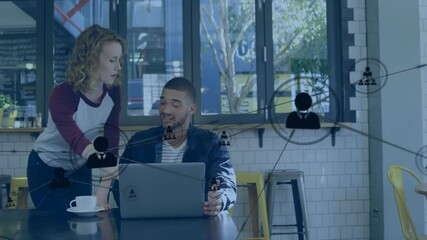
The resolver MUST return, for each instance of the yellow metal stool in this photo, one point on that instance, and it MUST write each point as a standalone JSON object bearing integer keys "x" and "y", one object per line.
{"x": 295, "y": 178}
{"x": 18, "y": 193}
{"x": 257, "y": 201}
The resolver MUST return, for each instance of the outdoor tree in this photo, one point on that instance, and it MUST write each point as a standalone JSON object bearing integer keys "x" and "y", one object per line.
{"x": 299, "y": 32}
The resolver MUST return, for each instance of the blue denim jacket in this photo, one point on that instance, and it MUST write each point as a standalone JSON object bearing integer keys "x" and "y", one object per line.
{"x": 202, "y": 146}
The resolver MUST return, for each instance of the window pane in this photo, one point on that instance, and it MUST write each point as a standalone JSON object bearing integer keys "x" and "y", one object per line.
{"x": 300, "y": 54}
{"x": 228, "y": 62}
{"x": 18, "y": 48}
{"x": 71, "y": 18}
{"x": 155, "y": 51}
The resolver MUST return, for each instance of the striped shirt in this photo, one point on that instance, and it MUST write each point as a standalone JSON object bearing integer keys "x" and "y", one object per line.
{"x": 171, "y": 154}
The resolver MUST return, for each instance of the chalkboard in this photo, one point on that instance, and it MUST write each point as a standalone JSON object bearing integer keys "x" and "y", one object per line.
{"x": 18, "y": 79}
{"x": 64, "y": 43}
{"x": 17, "y": 49}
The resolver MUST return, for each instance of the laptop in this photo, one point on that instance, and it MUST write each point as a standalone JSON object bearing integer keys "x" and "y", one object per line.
{"x": 162, "y": 190}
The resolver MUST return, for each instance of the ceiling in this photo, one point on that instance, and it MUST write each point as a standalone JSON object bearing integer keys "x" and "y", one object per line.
{"x": 13, "y": 18}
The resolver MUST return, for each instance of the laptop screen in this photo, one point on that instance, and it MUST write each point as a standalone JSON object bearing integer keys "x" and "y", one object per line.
{"x": 161, "y": 190}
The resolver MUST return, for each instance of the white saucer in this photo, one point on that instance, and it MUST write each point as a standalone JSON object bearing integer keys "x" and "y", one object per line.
{"x": 84, "y": 213}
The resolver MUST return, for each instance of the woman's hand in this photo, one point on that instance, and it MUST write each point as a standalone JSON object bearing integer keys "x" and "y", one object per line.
{"x": 102, "y": 197}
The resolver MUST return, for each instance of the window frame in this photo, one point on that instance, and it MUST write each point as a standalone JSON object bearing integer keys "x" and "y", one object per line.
{"x": 338, "y": 40}
{"x": 337, "y": 59}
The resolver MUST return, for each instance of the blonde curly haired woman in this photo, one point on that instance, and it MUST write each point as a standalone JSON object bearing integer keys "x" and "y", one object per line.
{"x": 89, "y": 99}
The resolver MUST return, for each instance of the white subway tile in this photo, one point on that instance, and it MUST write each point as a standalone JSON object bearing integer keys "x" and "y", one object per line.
{"x": 322, "y": 207}
{"x": 345, "y": 181}
{"x": 362, "y": 29}
{"x": 9, "y": 171}
{"x": 309, "y": 156}
{"x": 357, "y": 206}
{"x": 351, "y": 219}
{"x": 339, "y": 194}
{"x": 359, "y": 232}
{"x": 362, "y": 219}
{"x": 328, "y": 194}
{"x": 359, "y": 15}
{"x": 334, "y": 233}
{"x": 19, "y": 172}
{"x": 323, "y": 233}
{"x": 333, "y": 181}
{"x": 345, "y": 206}
{"x": 13, "y": 137}
{"x": 334, "y": 207}
{"x": 3, "y": 163}
{"x": 356, "y": 181}
{"x": 351, "y": 193}
{"x": 339, "y": 220}
{"x": 321, "y": 155}
{"x": 352, "y": 3}
{"x": 7, "y": 147}
{"x": 351, "y": 167}
{"x": 328, "y": 220}
{"x": 363, "y": 168}
{"x": 346, "y": 233}
{"x": 14, "y": 161}
{"x": 354, "y": 52}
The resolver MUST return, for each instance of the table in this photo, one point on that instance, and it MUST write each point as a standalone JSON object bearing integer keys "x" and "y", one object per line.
{"x": 36, "y": 224}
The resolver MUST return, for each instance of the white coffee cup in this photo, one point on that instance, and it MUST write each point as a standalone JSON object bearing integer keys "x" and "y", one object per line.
{"x": 84, "y": 203}
{"x": 84, "y": 228}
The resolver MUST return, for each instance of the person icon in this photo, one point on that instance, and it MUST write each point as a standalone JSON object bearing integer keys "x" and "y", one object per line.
{"x": 169, "y": 134}
{"x": 215, "y": 184}
{"x": 303, "y": 118}
{"x": 10, "y": 203}
{"x": 224, "y": 140}
{"x": 101, "y": 158}
{"x": 367, "y": 78}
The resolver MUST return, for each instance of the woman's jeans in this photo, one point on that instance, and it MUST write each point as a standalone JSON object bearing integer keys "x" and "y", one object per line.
{"x": 53, "y": 188}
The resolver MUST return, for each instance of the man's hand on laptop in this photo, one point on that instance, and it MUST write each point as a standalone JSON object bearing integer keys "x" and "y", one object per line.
{"x": 213, "y": 206}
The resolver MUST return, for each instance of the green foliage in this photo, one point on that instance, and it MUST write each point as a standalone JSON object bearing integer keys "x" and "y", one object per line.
{"x": 7, "y": 104}
{"x": 5, "y": 101}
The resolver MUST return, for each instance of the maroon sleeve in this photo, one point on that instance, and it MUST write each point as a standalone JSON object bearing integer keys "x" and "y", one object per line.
{"x": 111, "y": 128}
{"x": 63, "y": 103}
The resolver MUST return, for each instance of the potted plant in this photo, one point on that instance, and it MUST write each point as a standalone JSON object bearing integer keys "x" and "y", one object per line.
{"x": 8, "y": 110}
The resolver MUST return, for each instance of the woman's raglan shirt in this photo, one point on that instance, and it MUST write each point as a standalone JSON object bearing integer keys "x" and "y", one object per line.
{"x": 73, "y": 124}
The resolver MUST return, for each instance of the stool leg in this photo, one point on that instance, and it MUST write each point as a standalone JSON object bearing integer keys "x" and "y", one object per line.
{"x": 271, "y": 194}
{"x": 22, "y": 199}
{"x": 297, "y": 207}
{"x": 263, "y": 207}
{"x": 8, "y": 190}
{"x": 253, "y": 201}
{"x": 303, "y": 203}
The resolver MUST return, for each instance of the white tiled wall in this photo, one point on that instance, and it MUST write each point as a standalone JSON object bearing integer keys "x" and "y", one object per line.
{"x": 14, "y": 150}
{"x": 336, "y": 181}
{"x": 336, "y": 178}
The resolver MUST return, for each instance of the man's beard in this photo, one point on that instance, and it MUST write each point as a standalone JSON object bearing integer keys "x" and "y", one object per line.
{"x": 177, "y": 126}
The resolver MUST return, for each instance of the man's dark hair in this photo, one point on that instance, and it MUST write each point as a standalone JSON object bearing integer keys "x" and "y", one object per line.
{"x": 182, "y": 84}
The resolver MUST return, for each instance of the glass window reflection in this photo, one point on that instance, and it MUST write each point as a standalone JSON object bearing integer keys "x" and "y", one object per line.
{"x": 155, "y": 42}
